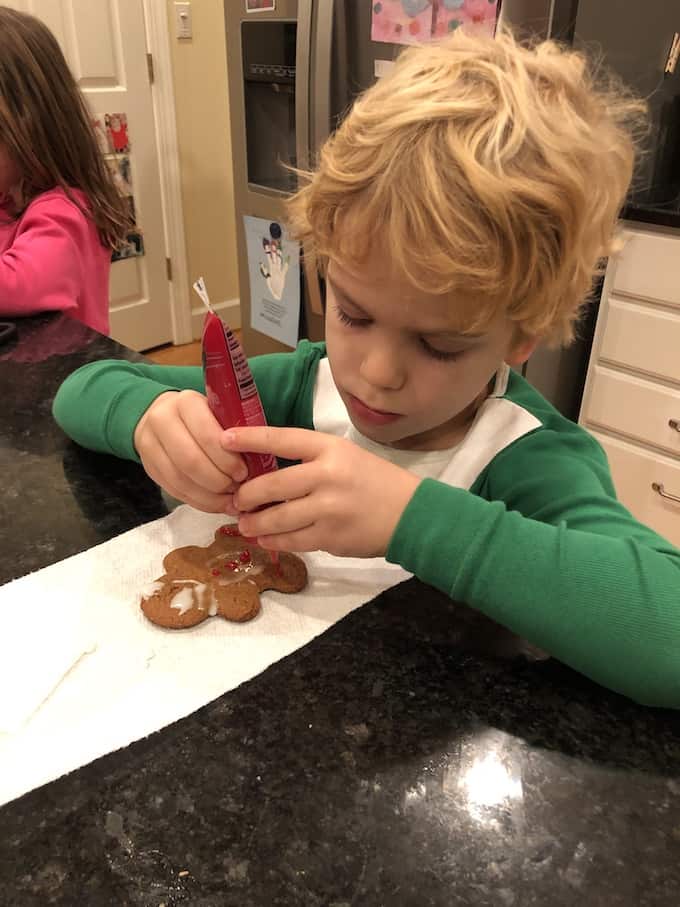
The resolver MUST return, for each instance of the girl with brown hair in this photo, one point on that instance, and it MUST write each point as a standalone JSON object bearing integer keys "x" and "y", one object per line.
{"x": 60, "y": 213}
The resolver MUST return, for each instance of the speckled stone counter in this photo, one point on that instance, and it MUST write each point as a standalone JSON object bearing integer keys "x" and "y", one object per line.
{"x": 409, "y": 756}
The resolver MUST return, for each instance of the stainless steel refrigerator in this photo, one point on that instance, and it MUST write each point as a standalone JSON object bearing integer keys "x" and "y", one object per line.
{"x": 293, "y": 72}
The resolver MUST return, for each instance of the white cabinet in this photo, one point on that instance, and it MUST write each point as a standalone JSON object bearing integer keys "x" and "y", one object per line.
{"x": 632, "y": 395}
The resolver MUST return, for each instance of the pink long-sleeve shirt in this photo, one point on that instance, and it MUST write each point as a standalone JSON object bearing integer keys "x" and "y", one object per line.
{"x": 51, "y": 259}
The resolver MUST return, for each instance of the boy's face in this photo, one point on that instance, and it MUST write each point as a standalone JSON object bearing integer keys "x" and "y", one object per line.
{"x": 407, "y": 378}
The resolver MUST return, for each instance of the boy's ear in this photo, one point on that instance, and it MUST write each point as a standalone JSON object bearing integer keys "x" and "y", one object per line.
{"x": 521, "y": 349}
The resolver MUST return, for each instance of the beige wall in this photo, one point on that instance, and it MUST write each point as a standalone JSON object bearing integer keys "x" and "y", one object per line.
{"x": 202, "y": 108}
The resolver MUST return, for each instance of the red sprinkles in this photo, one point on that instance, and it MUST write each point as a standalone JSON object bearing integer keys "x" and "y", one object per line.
{"x": 229, "y": 530}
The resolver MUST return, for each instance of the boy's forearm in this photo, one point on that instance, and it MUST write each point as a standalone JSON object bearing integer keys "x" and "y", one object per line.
{"x": 608, "y": 607}
{"x": 100, "y": 404}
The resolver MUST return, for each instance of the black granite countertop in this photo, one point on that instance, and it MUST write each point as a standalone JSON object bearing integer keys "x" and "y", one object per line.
{"x": 408, "y": 756}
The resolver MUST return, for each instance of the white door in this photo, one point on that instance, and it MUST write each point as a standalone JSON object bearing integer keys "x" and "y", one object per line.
{"x": 104, "y": 42}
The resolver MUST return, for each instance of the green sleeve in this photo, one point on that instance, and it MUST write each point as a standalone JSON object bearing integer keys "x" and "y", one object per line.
{"x": 100, "y": 404}
{"x": 545, "y": 549}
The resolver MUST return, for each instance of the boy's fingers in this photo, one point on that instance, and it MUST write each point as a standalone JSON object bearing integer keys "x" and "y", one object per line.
{"x": 281, "y": 485}
{"x": 206, "y": 431}
{"x": 302, "y": 540}
{"x": 290, "y": 517}
{"x": 188, "y": 458}
{"x": 181, "y": 486}
{"x": 289, "y": 443}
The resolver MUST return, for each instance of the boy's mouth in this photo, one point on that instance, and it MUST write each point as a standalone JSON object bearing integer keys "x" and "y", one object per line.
{"x": 365, "y": 413}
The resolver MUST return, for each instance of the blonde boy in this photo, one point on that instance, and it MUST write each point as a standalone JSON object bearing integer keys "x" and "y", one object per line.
{"x": 460, "y": 212}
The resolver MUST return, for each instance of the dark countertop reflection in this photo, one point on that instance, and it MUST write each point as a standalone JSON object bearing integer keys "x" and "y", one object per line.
{"x": 414, "y": 754}
{"x": 58, "y": 499}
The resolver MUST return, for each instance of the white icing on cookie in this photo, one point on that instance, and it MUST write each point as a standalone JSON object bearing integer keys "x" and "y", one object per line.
{"x": 239, "y": 575}
{"x": 151, "y": 589}
{"x": 183, "y": 600}
{"x": 202, "y": 596}
{"x": 206, "y": 597}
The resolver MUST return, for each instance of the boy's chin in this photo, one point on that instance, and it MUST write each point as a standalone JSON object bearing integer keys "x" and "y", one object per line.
{"x": 379, "y": 433}
{"x": 387, "y": 435}
{"x": 403, "y": 436}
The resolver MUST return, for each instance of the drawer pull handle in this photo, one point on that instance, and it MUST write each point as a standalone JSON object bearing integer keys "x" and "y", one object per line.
{"x": 659, "y": 489}
{"x": 674, "y": 423}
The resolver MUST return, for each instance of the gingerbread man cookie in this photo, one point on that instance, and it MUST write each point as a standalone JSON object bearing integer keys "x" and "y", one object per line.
{"x": 223, "y": 579}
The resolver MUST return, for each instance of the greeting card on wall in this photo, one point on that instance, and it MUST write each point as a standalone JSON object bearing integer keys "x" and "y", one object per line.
{"x": 117, "y": 129}
{"x": 133, "y": 247}
{"x": 101, "y": 133}
{"x": 419, "y": 21}
{"x": 113, "y": 140}
{"x": 119, "y": 167}
{"x": 274, "y": 271}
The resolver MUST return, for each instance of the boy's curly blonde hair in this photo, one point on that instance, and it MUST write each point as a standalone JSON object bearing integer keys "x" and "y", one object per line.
{"x": 488, "y": 170}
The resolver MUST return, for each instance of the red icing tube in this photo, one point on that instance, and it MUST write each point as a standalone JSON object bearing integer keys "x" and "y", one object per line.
{"x": 232, "y": 394}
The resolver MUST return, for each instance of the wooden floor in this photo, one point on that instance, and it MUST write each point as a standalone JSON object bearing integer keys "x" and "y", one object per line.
{"x": 186, "y": 354}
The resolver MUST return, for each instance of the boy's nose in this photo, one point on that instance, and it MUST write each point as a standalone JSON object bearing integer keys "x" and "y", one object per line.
{"x": 382, "y": 367}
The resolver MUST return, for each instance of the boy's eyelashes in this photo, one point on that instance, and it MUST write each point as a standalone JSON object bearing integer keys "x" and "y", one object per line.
{"x": 347, "y": 319}
{"x": 441, "y": 355}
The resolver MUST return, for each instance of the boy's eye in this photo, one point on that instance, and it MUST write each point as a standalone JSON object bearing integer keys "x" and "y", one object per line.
{"x": 348, "y": 320}
{"x": 441, "y": 355}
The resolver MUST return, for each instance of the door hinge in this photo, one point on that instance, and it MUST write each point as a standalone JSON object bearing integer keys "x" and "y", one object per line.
{"x": 168, "y": 268}
{"x": 149, "y": 66}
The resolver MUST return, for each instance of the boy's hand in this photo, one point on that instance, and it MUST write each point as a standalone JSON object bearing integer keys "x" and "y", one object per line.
{"x": 340, "y": 499}
{"x": 178, "y": 442}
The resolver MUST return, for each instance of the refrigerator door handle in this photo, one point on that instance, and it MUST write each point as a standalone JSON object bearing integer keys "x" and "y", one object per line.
{"x": 321, "y": 78}
{"x": 302, "y": 77}
{"x": 673, "y": 55}
{"x": 307, "y": 82}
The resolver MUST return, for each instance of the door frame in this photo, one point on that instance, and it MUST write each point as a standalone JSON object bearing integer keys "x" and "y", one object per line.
{"x": 165, "y": 127}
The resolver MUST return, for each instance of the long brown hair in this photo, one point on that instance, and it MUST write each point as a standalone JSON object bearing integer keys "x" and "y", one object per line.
{"x": 46, "y": 127}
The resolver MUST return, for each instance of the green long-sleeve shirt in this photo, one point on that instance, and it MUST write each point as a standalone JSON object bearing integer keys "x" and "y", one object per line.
{"x": 522, "y": 521}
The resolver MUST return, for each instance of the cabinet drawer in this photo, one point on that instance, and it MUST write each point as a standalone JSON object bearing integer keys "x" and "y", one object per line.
{"x": 634, "y": 471}
{"x": 642, "y": 337}
{"x": 649, "y": 266}
{"x": 634, "y": 407}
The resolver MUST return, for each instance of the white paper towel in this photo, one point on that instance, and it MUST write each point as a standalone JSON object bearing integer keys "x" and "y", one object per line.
{"x": 84, "y": 673}
{"x": 55, "y": 641}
